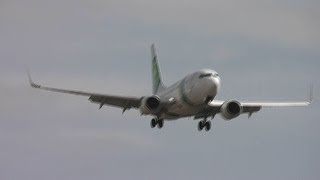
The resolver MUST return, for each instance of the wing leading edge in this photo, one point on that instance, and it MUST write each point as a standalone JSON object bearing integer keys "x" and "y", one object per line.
{"x": 124, "y": 102}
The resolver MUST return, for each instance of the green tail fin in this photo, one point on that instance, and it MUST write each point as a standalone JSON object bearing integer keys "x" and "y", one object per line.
{"x": 157, "y": 84}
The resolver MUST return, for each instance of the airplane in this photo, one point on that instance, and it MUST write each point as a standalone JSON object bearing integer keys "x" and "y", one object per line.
{"x": 193, "y": 96}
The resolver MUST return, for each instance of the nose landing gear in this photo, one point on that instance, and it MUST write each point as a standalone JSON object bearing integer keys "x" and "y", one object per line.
{"x": 157, "y": 122}
{"x": 204, "y": 124}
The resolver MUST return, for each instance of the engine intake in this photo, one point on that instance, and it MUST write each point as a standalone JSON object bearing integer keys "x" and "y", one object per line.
{"x": 150, "y": 105}
{"x": 231, "y": 109}
{"x": 153, "y": 103}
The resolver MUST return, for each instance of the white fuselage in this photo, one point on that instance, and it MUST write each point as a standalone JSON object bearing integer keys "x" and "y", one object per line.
{"x": 191, "y": 94}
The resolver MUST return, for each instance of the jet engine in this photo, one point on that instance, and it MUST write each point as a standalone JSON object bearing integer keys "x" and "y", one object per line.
{"x": 231, "y": 109}
{"x": 150, "y": 105}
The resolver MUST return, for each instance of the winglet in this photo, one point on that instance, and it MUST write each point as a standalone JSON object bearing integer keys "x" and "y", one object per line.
{"x": 311, "y": 94}
{"x": 32, "y": 84}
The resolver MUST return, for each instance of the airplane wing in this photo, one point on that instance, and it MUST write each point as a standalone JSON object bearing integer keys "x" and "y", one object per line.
{"x": 124, "y": 102}
{"x": 264, "y": 104}
{"x": 214, "y": 107}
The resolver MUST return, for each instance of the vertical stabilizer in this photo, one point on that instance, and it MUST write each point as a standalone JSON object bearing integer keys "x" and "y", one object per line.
{"x": 157, "y": 84}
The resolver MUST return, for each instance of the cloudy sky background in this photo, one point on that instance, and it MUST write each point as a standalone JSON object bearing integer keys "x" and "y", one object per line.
{"x": 263, "y": 50}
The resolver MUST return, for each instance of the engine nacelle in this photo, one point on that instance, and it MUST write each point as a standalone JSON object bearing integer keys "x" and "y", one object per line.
{"x": 231, "y": 109}
{"x": 150, "y": 105}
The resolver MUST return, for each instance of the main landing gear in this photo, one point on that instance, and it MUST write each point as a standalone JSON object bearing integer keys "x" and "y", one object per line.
{"x": 204, "y": 124}
{"x": 156, "y": 122}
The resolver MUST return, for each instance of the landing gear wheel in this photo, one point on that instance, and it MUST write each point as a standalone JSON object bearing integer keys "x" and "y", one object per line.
{"x": 160, "y": 123}
{"x": 153, "y": 123}
{"x": 200, "y": 125}
{"x": 207, "y": 126}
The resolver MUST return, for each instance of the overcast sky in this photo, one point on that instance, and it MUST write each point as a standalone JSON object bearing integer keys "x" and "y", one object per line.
{"x": 263, "y": 50}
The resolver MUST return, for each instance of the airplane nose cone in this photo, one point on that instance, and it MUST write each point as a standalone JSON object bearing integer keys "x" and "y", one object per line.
{"x": 214, "y": 86}
{"x": 217, "y": 81}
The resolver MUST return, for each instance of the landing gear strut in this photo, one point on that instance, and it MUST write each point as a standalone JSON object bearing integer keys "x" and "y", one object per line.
{"x": 204, "y": 124}
{"x": 156, "y": 122}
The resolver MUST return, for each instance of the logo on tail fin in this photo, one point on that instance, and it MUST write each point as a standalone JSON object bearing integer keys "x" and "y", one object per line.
{"x": 156, "y": 74}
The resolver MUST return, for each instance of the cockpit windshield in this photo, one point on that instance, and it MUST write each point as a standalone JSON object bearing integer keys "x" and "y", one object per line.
{"x": 208, "y": 75}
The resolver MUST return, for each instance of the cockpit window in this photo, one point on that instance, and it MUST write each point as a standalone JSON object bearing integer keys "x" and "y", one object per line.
{"x": 208, "y": 75}
{"x": 205, "y": 75}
